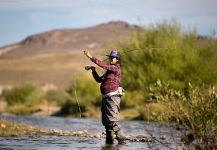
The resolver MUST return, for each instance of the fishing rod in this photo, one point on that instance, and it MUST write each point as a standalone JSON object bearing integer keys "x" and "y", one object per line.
{"x": 149, "y": 48}
{"x": 155, "y": 139}
{"x": 129, "y": 51}
{"x": 76, "y": 97}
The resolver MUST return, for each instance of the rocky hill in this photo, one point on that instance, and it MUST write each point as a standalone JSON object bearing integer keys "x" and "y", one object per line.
{"x": 61, "y": 40}
{"x": 55, "y": 57}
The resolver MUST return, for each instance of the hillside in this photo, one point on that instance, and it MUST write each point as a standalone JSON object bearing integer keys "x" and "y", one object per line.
{"x": 64, "y": 40}
{"x": 56, "y": 56}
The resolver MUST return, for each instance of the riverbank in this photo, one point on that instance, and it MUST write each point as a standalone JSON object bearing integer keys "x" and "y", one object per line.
{"x": 14, "y": 129}
{"x": 17, "y": 129}
{"x": 10, "y": 129}
{"x": 140, "y": 132}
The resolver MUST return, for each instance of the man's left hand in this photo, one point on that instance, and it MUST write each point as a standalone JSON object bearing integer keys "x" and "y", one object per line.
{"x": 87, "y": 53}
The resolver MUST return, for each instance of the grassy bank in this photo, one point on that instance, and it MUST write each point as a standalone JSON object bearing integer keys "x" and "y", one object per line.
{"x": 12, "y": 129}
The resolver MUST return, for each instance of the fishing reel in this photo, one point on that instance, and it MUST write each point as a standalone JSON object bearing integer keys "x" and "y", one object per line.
{"x": 89, "y": 67}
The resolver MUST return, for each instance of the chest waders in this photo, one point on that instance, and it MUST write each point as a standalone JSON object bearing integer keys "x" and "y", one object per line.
{"x": 110, "y": 118}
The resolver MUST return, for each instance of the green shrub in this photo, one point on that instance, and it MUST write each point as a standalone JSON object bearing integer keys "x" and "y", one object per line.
{"x": 165, "y": 52}
{"x": 197, "y": 111}
{"x": 154, "y": 112}
{"x": 85, "y": 90}
{"x": 22, "y": 109}
{"x": 194, "y": 107}
{"x": 22, "y": 94}
{"x": 132, "y": 99}
{"x": 158, "y": 65}
{"x": 72, "y": 108}
{"x": 59, "y": 96}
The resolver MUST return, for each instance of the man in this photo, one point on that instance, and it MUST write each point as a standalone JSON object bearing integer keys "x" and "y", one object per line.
{"x": 111, "y": 95}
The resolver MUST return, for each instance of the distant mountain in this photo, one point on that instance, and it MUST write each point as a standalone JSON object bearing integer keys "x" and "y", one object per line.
{"x": 59, "y": 40}
{"x": 55, "y": 57}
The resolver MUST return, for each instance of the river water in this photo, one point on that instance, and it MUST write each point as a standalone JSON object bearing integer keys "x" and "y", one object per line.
{"x": 171, "y": 136}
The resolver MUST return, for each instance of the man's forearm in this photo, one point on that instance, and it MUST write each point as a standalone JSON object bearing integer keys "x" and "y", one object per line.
{"x": 103, "y": 65}
{"x": 88, "y": 54}
{"x": 96, "y": 76}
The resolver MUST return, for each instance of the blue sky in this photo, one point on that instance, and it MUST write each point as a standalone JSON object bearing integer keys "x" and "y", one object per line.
{"x": 21, "y": 18}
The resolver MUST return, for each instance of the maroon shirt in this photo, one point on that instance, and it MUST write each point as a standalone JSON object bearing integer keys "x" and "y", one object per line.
{"x": 110, "y": 81}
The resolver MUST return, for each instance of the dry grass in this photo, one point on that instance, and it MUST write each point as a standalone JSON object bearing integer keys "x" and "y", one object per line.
{"x": 57, "y": 68}
{"x": 3, "y": 105}
{"x": 12, "y": 129}
{"x": 128, "y": 114}
{"x": 153, "y": 112}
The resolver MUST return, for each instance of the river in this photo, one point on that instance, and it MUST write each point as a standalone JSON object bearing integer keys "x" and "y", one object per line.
{"x": 167, "y": 136}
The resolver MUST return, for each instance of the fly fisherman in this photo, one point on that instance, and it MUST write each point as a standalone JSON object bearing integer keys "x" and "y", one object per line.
{"x": 111, "y": 94}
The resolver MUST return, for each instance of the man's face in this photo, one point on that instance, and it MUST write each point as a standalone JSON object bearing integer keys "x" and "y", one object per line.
{"x": 113, "y": 60}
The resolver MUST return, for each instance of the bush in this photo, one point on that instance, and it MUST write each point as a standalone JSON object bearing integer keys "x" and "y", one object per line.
{"x": 58, "y": 97}
{"x": 72, "y": 108}
{"x": 195, "y": 108}
{"x": 154, "y": 112}
{"x": 158, "y": 65}
{"x": 22, "y": 109}
{"x": 132, "y": 99}
{"x": 85, "y": 90}
{"x": 22, "y": 94}
{"x": 167, "y": 53}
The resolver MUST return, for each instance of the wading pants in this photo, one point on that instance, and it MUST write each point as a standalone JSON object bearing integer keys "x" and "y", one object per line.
{"x": 110, "y": 116}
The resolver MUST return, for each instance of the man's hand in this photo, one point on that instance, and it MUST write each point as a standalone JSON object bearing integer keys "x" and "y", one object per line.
{"x": 87, "y": 54}
{"x": 90, "y": 67}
